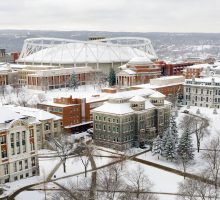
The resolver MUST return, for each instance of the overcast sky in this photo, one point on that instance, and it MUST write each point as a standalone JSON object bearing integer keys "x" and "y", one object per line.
{"x": 112, "y": 15}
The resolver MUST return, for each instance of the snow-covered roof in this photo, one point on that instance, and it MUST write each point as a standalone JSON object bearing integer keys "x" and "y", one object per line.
{"x": 7, "y": 114}
{"x": 132, "y": 93}
{"x": 140, "y": 61}
{"x": 62, "y": 71}
{"x": 199, "y": 66}
{"x": 40, "y": 115}
{"x": 123, "y": 66}
{"x": 137, "y": 99}
{"x": 81, "y": 53}
{"x": 157, "y": 95}
{"x": 148, "y": 104}
{"x": 204, "y": 80}
{"x": 128, "y": 71}
{"x": 115, "y": 108}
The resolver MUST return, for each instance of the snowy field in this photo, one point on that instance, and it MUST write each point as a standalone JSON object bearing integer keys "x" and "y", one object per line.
{"x": 33, "y": 97}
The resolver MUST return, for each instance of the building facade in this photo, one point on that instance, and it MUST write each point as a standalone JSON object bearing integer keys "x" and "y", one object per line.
{"x": 138, "y": 70}
{"x": 18, "y": 146}
{"x": 203, "y": 92}
{"x": 75, "y": 112}
{"x": 48, "y": 126}
{"x": 122, "y": 122}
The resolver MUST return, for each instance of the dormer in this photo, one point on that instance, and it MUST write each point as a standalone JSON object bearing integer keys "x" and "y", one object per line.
{"x": 157, "y": 99}
{"x": 137, "y": 103}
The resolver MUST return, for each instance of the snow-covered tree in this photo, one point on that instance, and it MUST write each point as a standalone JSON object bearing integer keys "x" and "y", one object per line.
{"x": 185, "y": 147}
{"x": 74, "y": 82}
{"x": 156, "y": 148}
{"x": 112, "y": 77}
{"x": 164, "y": 140}
{"x": 173, "y": 129}
{"x": 169, "y": 151}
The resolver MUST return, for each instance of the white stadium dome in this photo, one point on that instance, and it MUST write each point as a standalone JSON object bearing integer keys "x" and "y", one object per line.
{"x": 101, "y": 54}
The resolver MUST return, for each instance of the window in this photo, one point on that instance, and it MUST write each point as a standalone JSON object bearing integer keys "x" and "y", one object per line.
{"x": 46, "y": 127}
{"x": 32, "y": 147}
{"x": 23, "y": 135}
{"x": 104, "y": 127}
{"x": 26, "y": 164}
{"x": 18, "y": 136}
{"x": 3, "y": 139}
{"x": 55, "y": 125}
{"x": 15, "y": 167}
{"x": 20, "y": 165}
{"x": 12, "y": 137}
{"x": 33, "y": 161}
{"x": 18, "y": 150}
{"x": 6, "y": 169}
{"x": 4, "y": 153}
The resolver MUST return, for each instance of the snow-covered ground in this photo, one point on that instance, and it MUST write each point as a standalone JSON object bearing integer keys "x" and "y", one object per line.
{"x": 32, "y": 97}
{"x": 163, "y": 181}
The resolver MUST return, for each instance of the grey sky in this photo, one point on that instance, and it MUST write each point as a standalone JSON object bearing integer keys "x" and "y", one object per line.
{"x": 112, "y": 15}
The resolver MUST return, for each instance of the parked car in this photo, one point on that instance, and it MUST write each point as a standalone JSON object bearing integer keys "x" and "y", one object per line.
{"x": 186, "y": 111}
{"x": 90, "y": 131}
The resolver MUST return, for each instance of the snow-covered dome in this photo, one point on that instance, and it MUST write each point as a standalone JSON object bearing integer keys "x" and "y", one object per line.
{"x": 137, "y": 99}
{"x": 140, "y": 61}
{"x": 157, "y": 95}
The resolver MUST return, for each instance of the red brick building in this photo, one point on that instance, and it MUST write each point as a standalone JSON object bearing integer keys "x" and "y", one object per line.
{"x": 169, "y": 85}
{"x": 75, "y": 112}
{"x": 137, "y": 71}
{"x": 45, "y": 79}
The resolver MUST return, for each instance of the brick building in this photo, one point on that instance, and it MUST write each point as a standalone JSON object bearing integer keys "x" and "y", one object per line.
{"x": 138, "y": 70}
{"x": 195, "y": 70}
{"x": 167, "y": 85}
{"x": 75, "y": 112}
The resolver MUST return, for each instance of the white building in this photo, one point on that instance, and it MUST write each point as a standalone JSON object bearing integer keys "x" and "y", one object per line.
{"x": 48, "y": 126}
{"x": 18, "y": 146}
{"x": 204, "y": 92}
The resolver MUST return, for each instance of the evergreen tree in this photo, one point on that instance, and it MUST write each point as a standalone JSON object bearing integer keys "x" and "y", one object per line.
{"x": 112, "y": 77}
{"x": 74, "y": 82}
{"x": 173, "y": 129}
{"x": 185, "y": 147}
{"x": 164, "y": 141}
{"x": 156, "y": 148}
{"x": 170, "y": 148}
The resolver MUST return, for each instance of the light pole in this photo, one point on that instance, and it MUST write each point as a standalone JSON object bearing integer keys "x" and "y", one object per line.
{"x": 77, "y": 181}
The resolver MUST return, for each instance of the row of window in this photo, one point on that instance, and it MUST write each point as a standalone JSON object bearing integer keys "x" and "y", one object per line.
{"x": 112, "y": 129}
{"x": 115, "y": 139}
{"x": 21, "y": 176}
{"x": 108, "y": 119}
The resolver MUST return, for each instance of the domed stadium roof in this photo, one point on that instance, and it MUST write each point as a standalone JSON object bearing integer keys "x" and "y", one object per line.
{"x": 62, "y": 51}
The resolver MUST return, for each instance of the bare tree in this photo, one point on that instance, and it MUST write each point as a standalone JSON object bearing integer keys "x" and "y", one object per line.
{"x": 63, "y": 147}
{"x": 110, "y": 180}
{"x": 70, "y": 191}
{"x": 191, "y": 189}
{"x": 196, "y": 125}
{"x": 140, "y": 183}
{"x": 211, "y": 158}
